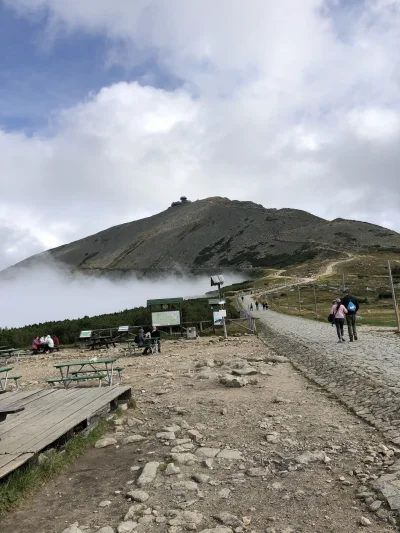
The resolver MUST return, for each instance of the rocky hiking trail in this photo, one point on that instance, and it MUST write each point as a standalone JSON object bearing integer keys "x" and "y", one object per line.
{"x": 227, "y": 437}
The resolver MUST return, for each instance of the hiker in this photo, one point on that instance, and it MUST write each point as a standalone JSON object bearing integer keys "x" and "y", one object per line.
{"x": 257, "y": 306}
{"x": 155, "y": 339}
{"x": 242, "y": 298}
{"x": 352, "y": 306}
{"x": 36, "y": 344}
{"x": 338, "y": 312}
{"x": 141, "y": 339}
{"x": 56, "y": 341}
{"x": 251, "y": 307}
{"x": 50, "y": 343}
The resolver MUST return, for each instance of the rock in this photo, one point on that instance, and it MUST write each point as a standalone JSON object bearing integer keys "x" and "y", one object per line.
{"x": 105, "y": 441}
{"x": 224, "y": 494}
{"x": 188, "y": 519}
{"x": 195, "y": 435}
{"x": 138, "y": 495}
{"x": 184, "y": 458}
{"x": 233, "y": 455}
{"x": 276, "y": 359}
{"x": 375, "y": 505}
{"x": 312, "y": 457}
{"x": 132, "y": 439}
{"x": 105, "y": 503}
{"x": 223, "y": 411}
{"x": 232, "y": 381}
{"x": 201, "y": 478}
{"x": 208, "y": 452}
{"x": 106, "y": 529}
{"x": 256, "y": 472}
{"x": 228, "y": 519}
{"x": 126, "y": 527}
{"x": 148, "y": 474}
{"x": 246, "y": 371}
{"x": 172, "y": 470}
{"x": 72, "y": 529}
{"x": 135, "y": 511}
{"x": 172, "y": 429}
{"x": 134, "y": 422}
{"x": 146, "y": 519}
{"x": 364, "y": 521}
{"x": 218, "y": 529}
{"x": 208, "y": 463}
{"x": 166, "y": 435}
{"x": 184, "y": 485}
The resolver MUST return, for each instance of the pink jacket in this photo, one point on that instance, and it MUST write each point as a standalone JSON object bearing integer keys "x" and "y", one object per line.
{"x": 340, "y": 312}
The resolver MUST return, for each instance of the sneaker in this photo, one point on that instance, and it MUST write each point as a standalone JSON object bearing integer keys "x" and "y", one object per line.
{"x": 355, "y": 338}
{"x": 343, "y": 339}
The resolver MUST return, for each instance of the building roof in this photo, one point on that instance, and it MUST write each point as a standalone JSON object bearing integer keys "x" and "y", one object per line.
{"x": 164, "y": 301}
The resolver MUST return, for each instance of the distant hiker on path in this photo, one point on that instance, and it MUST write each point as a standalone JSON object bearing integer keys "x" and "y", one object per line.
{"x": 251, "y": 307}
{"x": 352, "y": 306}
{"x": 339, "y": 311}
{"x": 257, "y": 306}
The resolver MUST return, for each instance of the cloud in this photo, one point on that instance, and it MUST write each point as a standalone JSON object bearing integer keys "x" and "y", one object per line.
{"x": 289, "y": 104}
{"x": 49, "y": 292}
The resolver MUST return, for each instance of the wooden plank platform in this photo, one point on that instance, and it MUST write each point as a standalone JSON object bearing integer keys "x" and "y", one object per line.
{"x": 49, "y": 414}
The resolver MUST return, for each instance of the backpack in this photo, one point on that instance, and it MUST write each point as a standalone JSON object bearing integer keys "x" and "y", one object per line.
{"x": 331, "y": 318}
{"x": 351, "y": 307}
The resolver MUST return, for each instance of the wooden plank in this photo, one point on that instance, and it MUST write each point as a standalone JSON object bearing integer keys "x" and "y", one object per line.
{"x": 20, "y": 439}
{"x": 40, "y": 407}
{"x": 60, "y": 422}
{"x": 11, "y": 461}
{"x": 10, "y": 397}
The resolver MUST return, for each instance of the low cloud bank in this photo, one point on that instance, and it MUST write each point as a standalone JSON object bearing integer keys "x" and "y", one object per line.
{"x": 44, "y": 293}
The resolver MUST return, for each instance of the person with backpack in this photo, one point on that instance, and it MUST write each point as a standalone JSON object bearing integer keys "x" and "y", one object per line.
{"x": 352, "y": 306}
{"x": 338, "y": 313}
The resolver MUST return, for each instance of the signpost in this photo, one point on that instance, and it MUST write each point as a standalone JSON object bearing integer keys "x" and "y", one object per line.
{"x": 221, "y": 313}
{"x": 396, "y": 310}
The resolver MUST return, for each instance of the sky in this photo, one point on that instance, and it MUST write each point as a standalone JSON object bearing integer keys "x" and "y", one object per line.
{"x": 109, "y": 111}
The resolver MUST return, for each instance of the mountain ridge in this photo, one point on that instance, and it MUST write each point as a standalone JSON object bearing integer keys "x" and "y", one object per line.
{"x": 217, "y": 233}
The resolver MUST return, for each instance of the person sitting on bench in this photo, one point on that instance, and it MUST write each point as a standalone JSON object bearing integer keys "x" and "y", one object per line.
{"x": 155, "y": 341}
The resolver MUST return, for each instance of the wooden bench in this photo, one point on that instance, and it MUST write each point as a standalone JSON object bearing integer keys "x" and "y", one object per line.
{"x": 4, "y": 379}
{"x": 118, "y": 369}
{"x": 9, "y": 411}
{"x": 66, "y": 381}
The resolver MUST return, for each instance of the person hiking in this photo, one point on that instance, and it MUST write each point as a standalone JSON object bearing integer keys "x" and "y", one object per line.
{"x": 352, "y": 306}
{"x": 257, "y": 305}
{"x": 338, "y": 312}
{"x": 251, "y": 307}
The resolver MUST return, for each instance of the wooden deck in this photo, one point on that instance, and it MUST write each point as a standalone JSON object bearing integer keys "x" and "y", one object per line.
{"x": 49, "y": 415}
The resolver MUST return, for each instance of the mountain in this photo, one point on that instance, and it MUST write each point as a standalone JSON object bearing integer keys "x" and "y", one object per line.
{"x": 218, "y": 233}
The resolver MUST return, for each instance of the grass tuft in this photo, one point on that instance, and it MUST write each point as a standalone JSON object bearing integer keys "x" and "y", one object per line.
{"x": 132, "y": 403}
{"x": 26, "y": 480}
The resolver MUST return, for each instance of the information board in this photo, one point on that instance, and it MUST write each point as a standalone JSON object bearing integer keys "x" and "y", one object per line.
{"x": 218, "y": 316}
{"x": 166, "y": 318}
{"x": 85, "y": 334}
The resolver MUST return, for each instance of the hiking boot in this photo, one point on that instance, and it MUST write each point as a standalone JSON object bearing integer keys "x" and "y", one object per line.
{"x": 355, "y": 338}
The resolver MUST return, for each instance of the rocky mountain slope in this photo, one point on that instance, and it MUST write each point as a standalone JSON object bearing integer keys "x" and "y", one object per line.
{"x": 219, "y": 233}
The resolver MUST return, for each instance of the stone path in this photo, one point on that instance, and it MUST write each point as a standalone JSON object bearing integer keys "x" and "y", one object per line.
{"x": 364, "y": 374}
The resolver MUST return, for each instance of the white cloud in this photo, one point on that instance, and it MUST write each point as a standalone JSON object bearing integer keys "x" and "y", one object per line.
{"x": 289, "y": 104}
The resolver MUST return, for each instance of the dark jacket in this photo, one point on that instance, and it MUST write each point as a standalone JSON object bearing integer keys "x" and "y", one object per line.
{"x": 155, "y": 334}
{"x": 347, "y": 299}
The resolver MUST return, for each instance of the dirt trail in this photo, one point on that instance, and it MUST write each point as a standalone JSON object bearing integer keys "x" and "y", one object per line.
{"x": 263, "y": 478}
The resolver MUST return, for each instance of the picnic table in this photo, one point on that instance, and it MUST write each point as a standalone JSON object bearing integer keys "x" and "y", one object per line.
{"x": 100, "y": 341}
{"x": 75, "y": 371}
{"x": 9, "y": 351}
{"x": 4, "y": 377}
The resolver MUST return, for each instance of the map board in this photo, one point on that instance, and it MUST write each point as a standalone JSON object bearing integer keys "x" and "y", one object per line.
{"x": 85, "y": 334}
{"x": 218, "y": 316}
{"x": 166, "y": 318}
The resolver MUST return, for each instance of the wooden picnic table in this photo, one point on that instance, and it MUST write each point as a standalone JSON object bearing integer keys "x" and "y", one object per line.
{"x": 85, "y": 368}
{"x": 4, "y": 378}
{"x": 100, "y": 341}
{"x": 9, "y": 351}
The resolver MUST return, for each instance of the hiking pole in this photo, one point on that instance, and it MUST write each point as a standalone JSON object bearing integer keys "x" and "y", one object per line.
{"x": 394, "y": 298}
